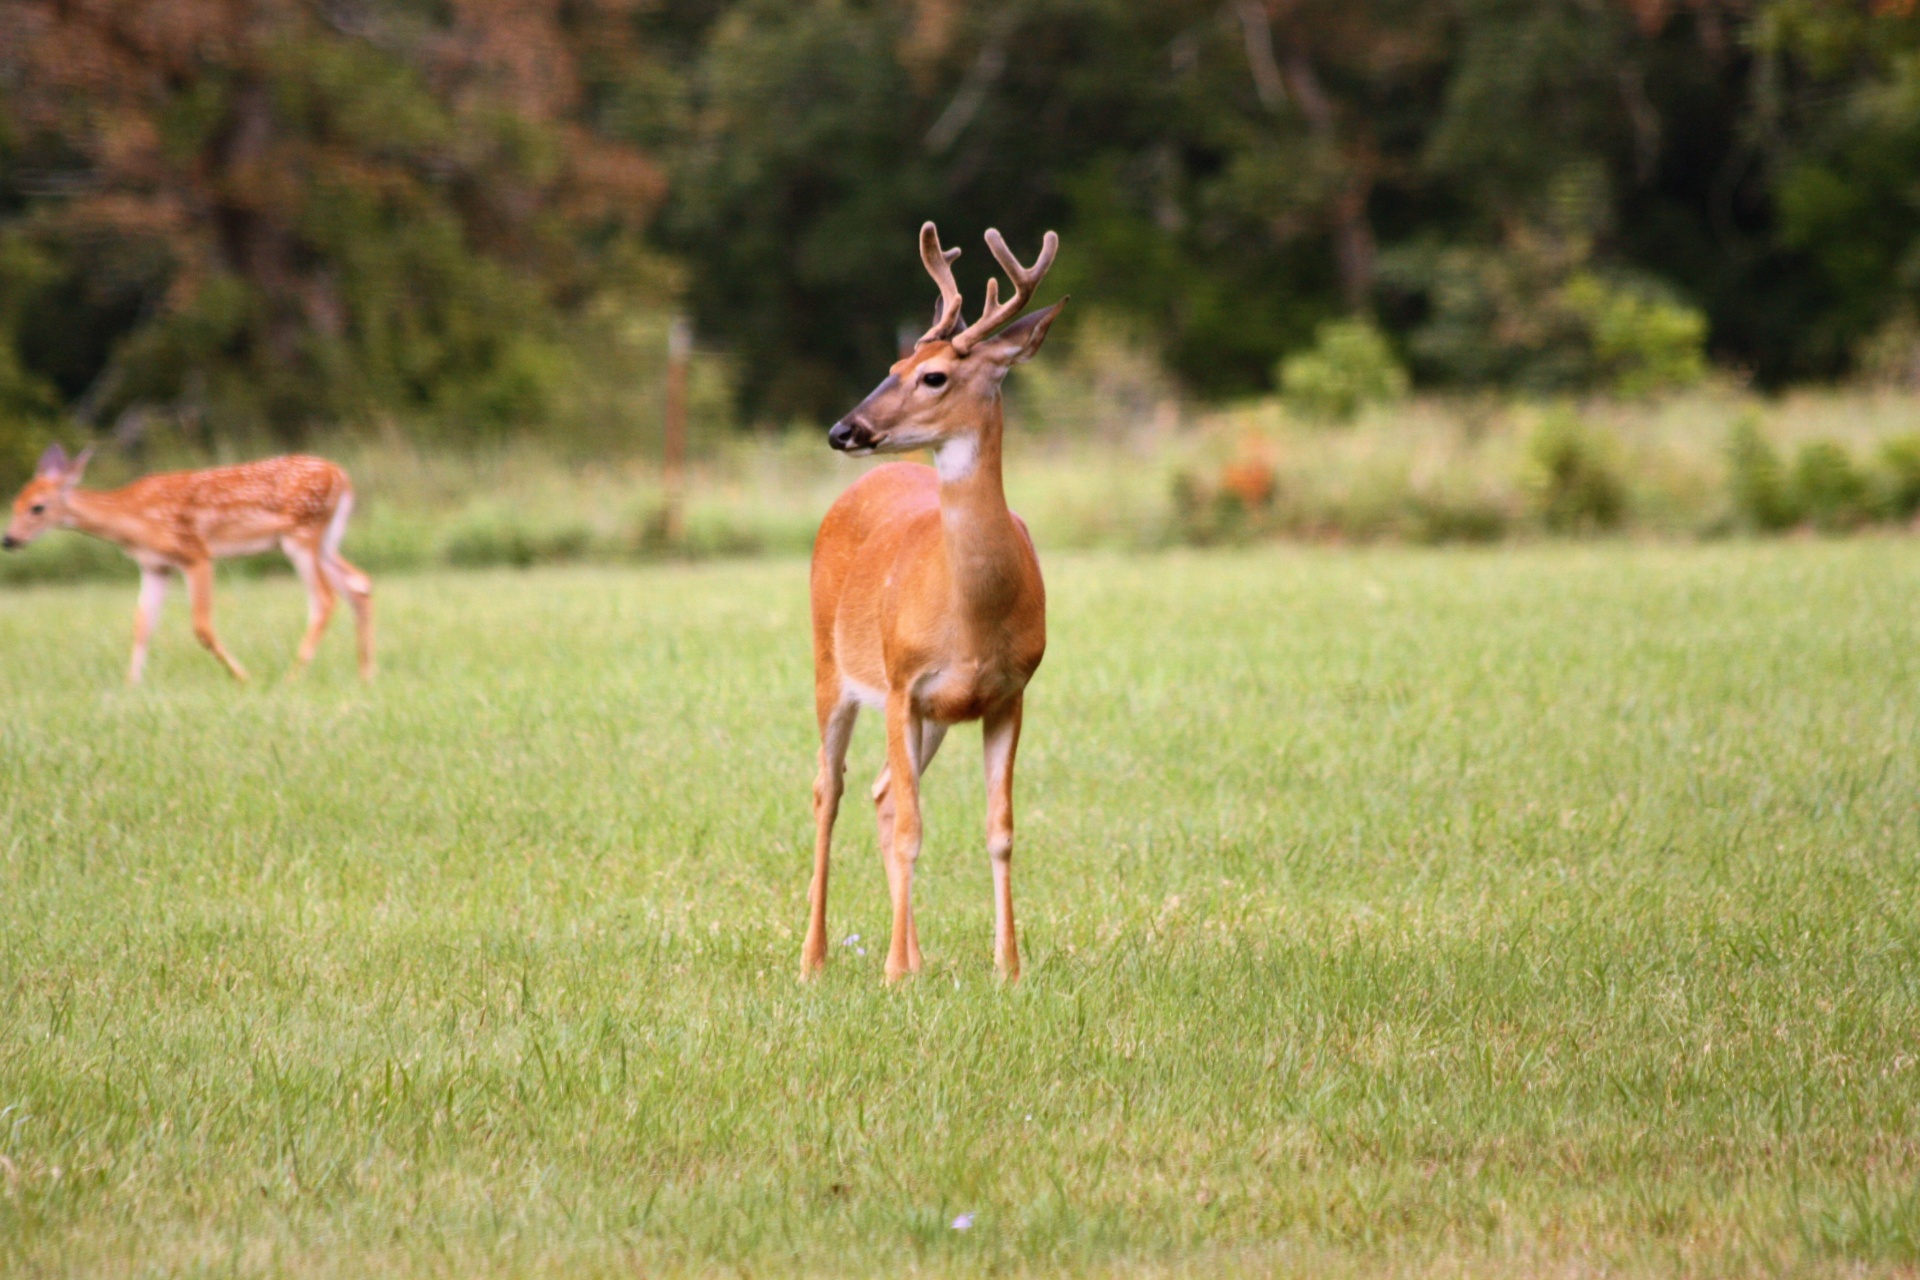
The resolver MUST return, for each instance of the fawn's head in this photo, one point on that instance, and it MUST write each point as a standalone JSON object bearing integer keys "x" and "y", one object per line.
{"x": 44, "y": 501}
{"x": 926, "y": 397}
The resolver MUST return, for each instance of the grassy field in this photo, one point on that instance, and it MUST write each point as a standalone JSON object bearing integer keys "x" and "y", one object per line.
{"x": 1093, "y": 470}
{"x": 1542, "y": 910}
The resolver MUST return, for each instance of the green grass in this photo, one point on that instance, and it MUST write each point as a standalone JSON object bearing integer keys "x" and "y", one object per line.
{"x": 1540, "y": 910}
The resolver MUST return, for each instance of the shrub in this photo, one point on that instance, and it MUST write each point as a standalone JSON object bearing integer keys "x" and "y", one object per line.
{"x": 1897, "y": 495}
{"x": 1349, "y": 367}
{"x": 1575, "y": 487}
{"x": 482, "y": 538}
{"x": 1446, "y": 518}
{"x": 1642, "y": 342}
{"x": 1762, "y": 498}
{"x": 1827, "y": 488}
{"x": 1202, "y": 515}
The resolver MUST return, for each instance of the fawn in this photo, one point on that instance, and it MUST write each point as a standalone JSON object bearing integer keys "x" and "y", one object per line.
{"x": 185, "y": 520}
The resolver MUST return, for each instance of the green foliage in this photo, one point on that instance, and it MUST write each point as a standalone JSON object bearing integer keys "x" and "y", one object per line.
{"x": 486, "y": 536}
{"x": 1575, "y": 486}
{"x": 289, "y": 218}
{"x": 1762, "y": 494}
{"x": 1441, "y": 518}
{"x": 1536, "y": 312}
{"x": 29, "y": 403}
{"x": 1827, "y": 488}
{"x": 1641, "y": 342}
{"x": 305, "y": 221}
{"x": 1350, "y": 366}
{"x": 1899, "y": 470}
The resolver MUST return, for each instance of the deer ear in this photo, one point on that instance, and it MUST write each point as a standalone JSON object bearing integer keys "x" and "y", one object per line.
{"x": 1017, "y": 343}
{"x": 53, "y": 464}
{"x": 78, "y": 467}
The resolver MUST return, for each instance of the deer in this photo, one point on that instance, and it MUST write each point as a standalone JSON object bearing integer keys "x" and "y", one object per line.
{"x": 927, "y": 598}
{"x": 183, "y": 521}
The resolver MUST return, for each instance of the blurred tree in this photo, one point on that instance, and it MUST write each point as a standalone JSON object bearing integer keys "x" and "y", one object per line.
{"x": 1841, "y": 120}
{"x": 288, "y": 210}
{"x": 275, "y": 212}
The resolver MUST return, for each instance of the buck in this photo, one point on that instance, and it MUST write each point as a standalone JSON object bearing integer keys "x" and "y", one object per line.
{"x": 927, "y": 597}
{"x": 185, "y": 520}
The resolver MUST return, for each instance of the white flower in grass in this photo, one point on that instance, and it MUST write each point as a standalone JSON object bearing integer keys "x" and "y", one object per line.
{"x": 963, "y": 1223}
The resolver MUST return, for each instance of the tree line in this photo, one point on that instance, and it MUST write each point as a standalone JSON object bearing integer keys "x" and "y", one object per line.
{"x": 271, "y": 215}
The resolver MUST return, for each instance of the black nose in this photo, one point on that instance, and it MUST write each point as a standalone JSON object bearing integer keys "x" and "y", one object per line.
{"x": 9, "y": 542}
{"x": 850, "y": 433}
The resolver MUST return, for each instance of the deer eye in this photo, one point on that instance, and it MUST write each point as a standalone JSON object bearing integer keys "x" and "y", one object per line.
{"x": 37, "y": 508}
{"x": 934, "y": 379}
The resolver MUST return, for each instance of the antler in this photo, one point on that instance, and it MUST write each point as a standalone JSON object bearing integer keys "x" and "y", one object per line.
{"x": 939, "y": 263}
{"x": 1025, "y": 281}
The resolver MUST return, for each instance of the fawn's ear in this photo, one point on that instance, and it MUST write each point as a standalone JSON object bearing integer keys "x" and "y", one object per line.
{"x": 53, "y": 464}
{"x": 77, "y": 468}
{"x": 1017, "y": 343}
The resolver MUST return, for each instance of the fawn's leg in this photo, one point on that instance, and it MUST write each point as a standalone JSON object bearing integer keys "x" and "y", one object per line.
{"x": 349, "y": 582}
{"x": 320, "y": 599}
{"x": 1000, "y": 738}
{"x": 153, "y": 594}
{"x": 200, "y": 593}
{"x": 836, "y": 731}
{"x": 358, "y": 589}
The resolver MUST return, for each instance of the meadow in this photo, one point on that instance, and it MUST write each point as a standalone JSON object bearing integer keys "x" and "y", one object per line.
{"x": 1107, "y": 456}
{"x": 1551, "y": 908}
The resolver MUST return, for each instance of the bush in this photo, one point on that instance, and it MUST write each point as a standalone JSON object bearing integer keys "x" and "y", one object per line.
{"x": 1827, "y": 488}
{"x": 1762, "y": 497}
{"x": 1642, "y": 342}
{"x": 1445, "y": 518}
{"x": 1350, "y": 366}
{"x": 1898, "y": 489}
{"x": 1575, "y": 487}
{"x": 483, "y": 537}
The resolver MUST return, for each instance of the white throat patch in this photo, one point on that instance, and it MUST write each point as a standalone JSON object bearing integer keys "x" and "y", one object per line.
{"x": 955, "y": 459}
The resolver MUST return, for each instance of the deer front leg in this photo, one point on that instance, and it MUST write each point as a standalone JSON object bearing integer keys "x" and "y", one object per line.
{"x": 1000, "y": 738}
{"x": 836, "y": 730}
{"x": 927, "y": 745}
{"x": 200, "y": 593}
{"x": 898, "y": 796}
{"x": 153, "y": 594}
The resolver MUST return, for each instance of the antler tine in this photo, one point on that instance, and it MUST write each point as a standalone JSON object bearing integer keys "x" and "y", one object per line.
{"x": 1025, "y": 281}
{"x": 939, "y": 264}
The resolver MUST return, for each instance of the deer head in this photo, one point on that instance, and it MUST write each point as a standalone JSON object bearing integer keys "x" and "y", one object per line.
{"x": 942, "y": 390}
{"x": 43, "y": 503}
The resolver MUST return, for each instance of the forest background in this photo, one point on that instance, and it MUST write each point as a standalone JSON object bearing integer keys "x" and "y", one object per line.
{"x": 427, "y": 232}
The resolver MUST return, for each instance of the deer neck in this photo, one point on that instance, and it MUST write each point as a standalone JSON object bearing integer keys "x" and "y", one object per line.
{"x": 105, "y": 515}
{"x": 984, "y": 546}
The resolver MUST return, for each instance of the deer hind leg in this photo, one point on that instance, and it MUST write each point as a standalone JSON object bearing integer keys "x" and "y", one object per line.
{"x": 305, "y": 556}
{"x": 153, "y": 594}
{"x": 923, "y": 741}
{"x": 1000, "y": 739}
{"x": 350, "y": 582}
{"x": 200, "y": 593}
{"x": 836, "y": 731}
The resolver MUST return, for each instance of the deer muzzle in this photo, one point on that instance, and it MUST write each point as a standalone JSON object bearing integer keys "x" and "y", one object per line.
{"x": 851, "y": 435}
